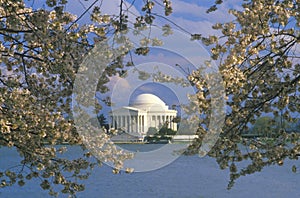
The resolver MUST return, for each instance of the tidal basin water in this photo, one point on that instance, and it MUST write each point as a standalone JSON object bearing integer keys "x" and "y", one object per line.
{"x": 186, "y": 177}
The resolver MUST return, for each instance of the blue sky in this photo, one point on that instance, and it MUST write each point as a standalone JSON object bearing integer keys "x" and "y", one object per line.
{"x": 190, "y": 15}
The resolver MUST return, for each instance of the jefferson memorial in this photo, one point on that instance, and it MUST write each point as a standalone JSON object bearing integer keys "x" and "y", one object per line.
{"x": 146, "y": 111}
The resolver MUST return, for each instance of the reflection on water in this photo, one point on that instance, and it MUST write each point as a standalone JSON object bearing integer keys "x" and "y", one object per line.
{"x": 141, "y": 147}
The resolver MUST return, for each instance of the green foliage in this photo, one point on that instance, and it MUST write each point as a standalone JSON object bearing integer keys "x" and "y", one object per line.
{"x": 100, "y": 121}
{"x": 164, "y": 134}
{"x": 152, "y": 131}
{"x": 165, "y": 131}
{"x": 269, "y": 127}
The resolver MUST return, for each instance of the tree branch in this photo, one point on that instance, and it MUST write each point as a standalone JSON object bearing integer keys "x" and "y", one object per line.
{"x": 15, "y": 31}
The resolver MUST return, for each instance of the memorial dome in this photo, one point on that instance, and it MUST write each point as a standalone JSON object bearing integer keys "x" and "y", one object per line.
{"x": 148, "y": 99}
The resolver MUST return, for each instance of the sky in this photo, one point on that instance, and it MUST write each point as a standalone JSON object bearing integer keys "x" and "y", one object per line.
{"x": 190, "y": 15}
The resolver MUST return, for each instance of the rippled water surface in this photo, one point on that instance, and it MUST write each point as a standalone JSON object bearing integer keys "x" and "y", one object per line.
{"x": 188, "y": 176}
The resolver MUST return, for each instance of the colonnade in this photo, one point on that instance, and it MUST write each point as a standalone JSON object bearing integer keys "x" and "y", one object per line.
{"x": 159, "y": 120}
{"x": 135, "y": 124}
{"x": 141, "y": 123}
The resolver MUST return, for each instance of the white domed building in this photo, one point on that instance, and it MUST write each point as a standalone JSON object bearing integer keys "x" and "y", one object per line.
{"x": 146, "y": 111}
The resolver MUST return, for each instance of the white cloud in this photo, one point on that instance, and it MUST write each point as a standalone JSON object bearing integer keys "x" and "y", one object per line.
{"x": 202, "y": 27}
{"x": 194, "y": 18}
{"x": 116, "y": 80}
{"x": 161, "y": 57}
{"x": 199, "y": 12}
{"x": 110, "y": 7}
